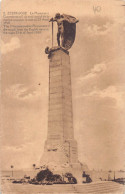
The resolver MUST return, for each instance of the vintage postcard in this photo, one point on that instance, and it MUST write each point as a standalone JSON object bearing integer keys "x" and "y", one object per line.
{"x": 62, "y": 96}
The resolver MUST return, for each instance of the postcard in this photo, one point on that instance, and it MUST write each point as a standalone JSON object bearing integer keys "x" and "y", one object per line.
{"x": 62, "y": 96}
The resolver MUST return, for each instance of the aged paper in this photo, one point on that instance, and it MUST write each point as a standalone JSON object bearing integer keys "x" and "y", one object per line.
{"x": 62, "y": 96}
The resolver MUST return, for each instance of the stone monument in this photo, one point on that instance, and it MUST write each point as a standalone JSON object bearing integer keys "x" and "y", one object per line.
{"x": 60, "y": 151}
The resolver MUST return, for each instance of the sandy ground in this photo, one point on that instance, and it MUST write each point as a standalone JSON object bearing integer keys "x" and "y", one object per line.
{"x": 96, "y": 187}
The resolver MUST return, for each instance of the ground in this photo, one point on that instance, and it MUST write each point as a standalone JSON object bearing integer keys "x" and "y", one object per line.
{"x": 96, "y": 188}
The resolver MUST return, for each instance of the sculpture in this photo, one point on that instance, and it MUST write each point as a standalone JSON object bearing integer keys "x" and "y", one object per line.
{"x": 66, "y": 29}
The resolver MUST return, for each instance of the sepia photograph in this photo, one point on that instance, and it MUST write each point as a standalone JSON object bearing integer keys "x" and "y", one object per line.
{"x": 62, "y": 97}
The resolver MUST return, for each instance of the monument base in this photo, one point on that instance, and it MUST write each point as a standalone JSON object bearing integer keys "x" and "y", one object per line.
{"x": 76, "y": 169}
{"x": 57, "y": 158}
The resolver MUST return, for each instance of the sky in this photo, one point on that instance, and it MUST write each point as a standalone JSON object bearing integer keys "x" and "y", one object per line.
{"x": 98, "y": 85}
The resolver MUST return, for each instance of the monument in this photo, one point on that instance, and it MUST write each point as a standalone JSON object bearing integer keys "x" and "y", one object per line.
{"x": 60, "y": 151}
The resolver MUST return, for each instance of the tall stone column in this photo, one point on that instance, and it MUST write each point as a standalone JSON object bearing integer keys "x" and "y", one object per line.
{"x": 60, "y": 145}
{"x": 60, "y": 150}
{"x": 60, "y": 124}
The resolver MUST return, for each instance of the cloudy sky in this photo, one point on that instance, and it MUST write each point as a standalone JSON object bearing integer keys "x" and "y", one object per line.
{"x": 98, "y": 85}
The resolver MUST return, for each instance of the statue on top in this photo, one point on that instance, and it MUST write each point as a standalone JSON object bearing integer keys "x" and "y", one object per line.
{"x": 66, "y": 29}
